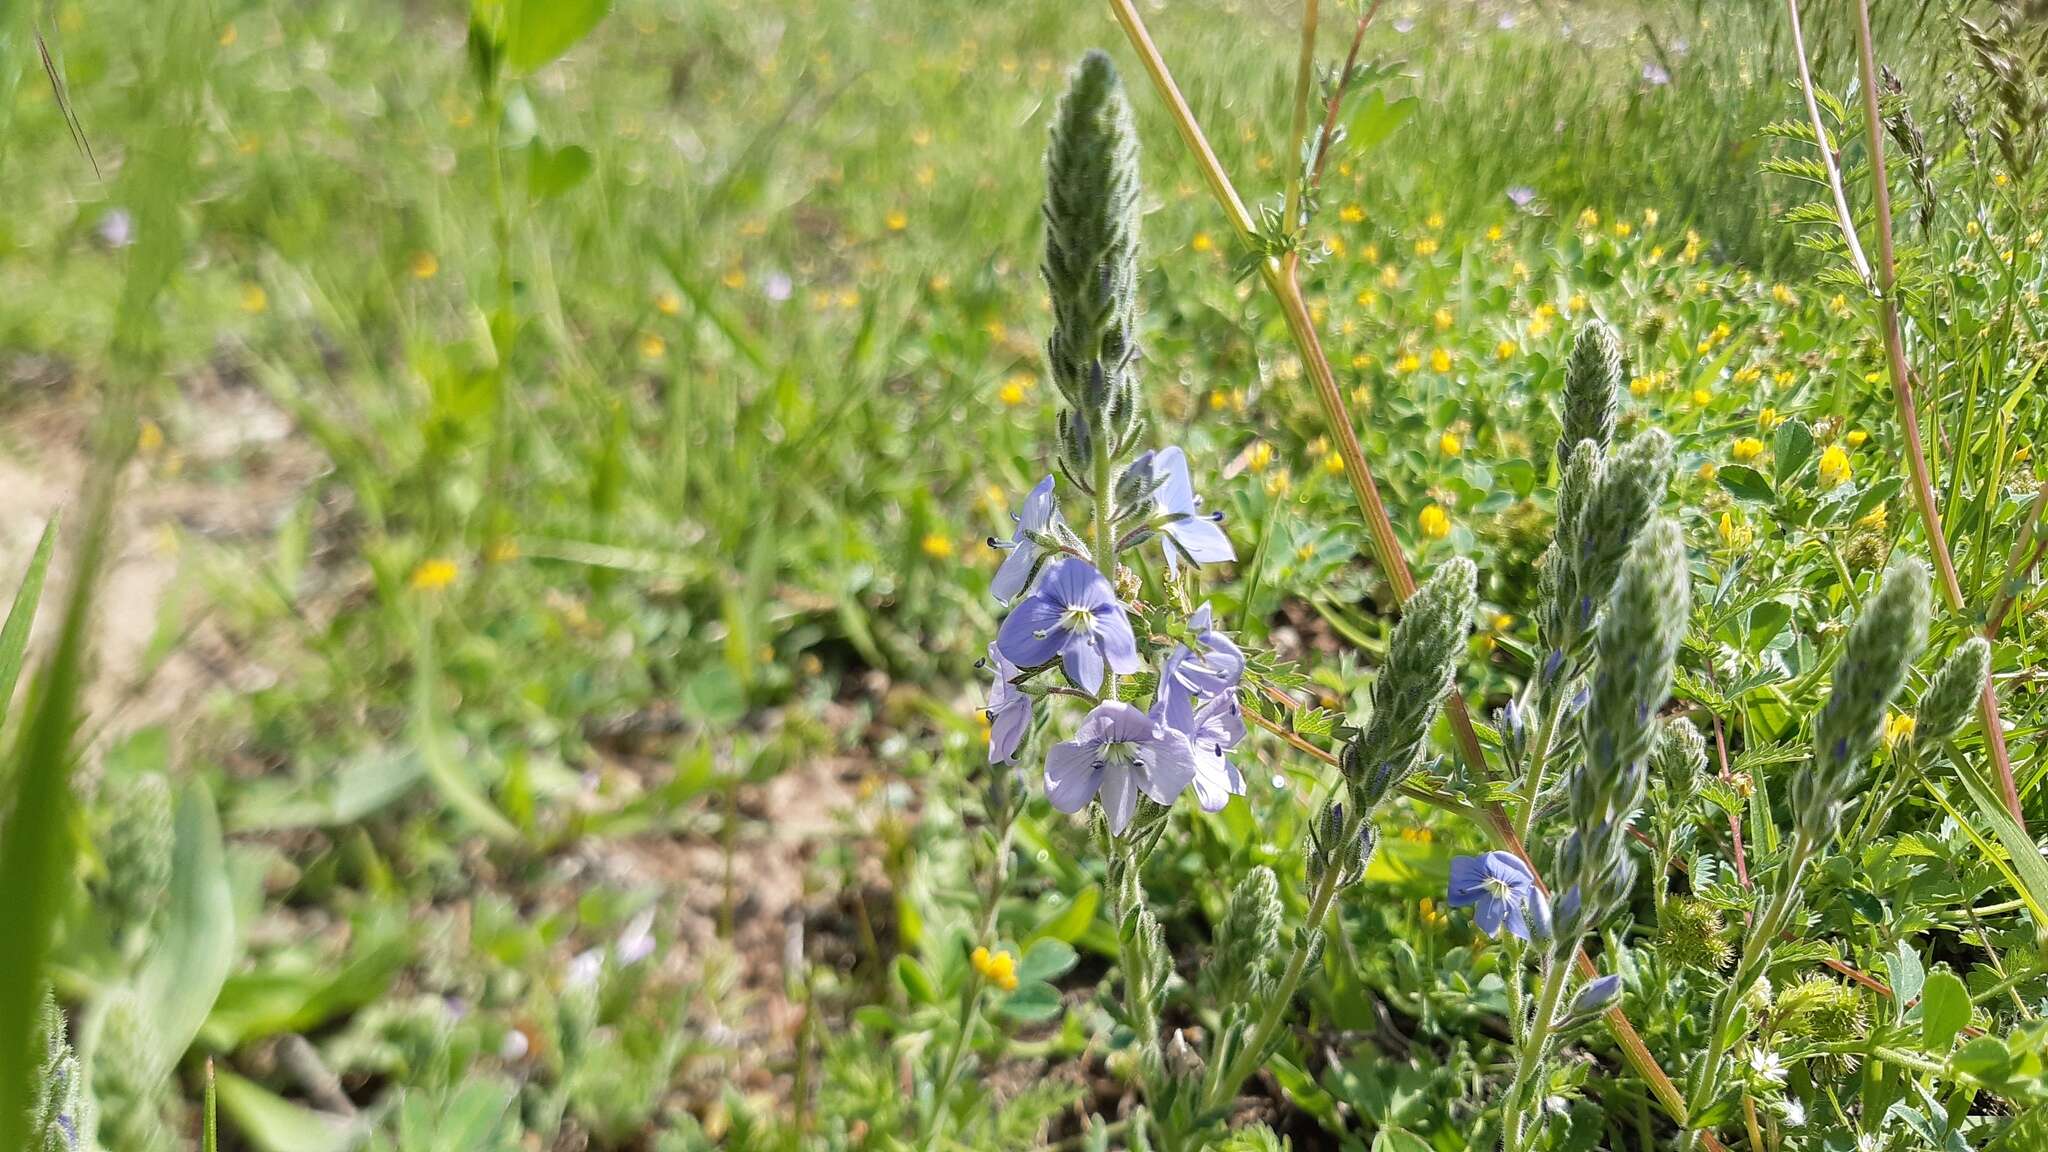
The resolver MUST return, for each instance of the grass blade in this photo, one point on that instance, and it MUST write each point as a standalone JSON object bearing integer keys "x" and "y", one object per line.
{"x": 21, "y": 617}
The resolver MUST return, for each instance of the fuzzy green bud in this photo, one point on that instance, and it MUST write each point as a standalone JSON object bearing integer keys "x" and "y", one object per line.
{"x": 136, "y": 839}
{"x": 1881, "y": 646}
{"x": 1692, "y": 934}
{"x": 1422, "y": 664}
{"x": 1681, "y": 759}
{"x": 1952, "y": 693}
{"x": 1592, "y": 389}
{"x": 1091, "y": 262}
{"x": 1248, "y": 941}
{"x": 1618, "y": 500}
{"x": 128, "y": 1083}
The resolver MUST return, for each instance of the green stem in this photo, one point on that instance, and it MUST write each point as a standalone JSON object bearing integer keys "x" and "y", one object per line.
{"x": 1530, "y": 1063}
{"x": 1248, "y": 1058}
{"x": 1304, "y": 76}
{"x": 970, "y": 1015}
{"x": 1539, "y": 753}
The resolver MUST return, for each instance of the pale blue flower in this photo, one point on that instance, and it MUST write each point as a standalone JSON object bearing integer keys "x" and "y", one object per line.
{"x": 1187, "y": 531}
{"x": 1009, "y": 709}
{"x": 1071, "y": 616}
{"x": 1036, "y": 520}
{"x": 1117, "y": 753}
{"x": 1499, "y": 885}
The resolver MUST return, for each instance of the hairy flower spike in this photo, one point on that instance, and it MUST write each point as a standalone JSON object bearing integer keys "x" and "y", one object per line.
{"x": 1422, "y": 661}
{"x": 1881, "y": 646}
{"x": 1681, "y": 758}
{"x": 1609, "y": 505}
{"x": 127, "y": 1082}
{"x": 136, "y": 842}
{"x": 1952, "y": 693}
{"x": 1637, "y": 645}
{"x": 1592, "y": 389}
{"x": 1091, "y": 261}
{"x": 59, "y": 1107}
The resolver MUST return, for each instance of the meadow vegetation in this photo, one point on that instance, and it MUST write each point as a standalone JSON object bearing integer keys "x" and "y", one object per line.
{"x": 931, "y": 575}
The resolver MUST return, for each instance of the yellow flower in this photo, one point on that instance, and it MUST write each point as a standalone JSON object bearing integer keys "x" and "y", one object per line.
{"x": 1656, "y": 254}
{"x": 1434, "y": 522}
{"x": 1370, "y": 254}
{"x": 652, "y": 347}
{"x": 1897, "y": 726}
{"x": 1218, "y": 400}
{"x": 1769, "y": 419}
{"x": 1261, "y": 457}
{"x": 434, "y": 575}
{"x": 1435, "y": 221}
{"x": 2001, "y": 179}
{"x": 502, "y": 550}
{"x": 1279, "y": 482}
{"x": 424, "y": 266}
{"x": 149, "y": 439}
{"x": 1623, "y": 228}
{"x": 254, "y": 299}
{"x": 1539, "y": 326}
{"x": 1503, "y": 621}
{"x": 1641, "y": 386}
{"x": 1701, "y": 397}
{"x": 1360, "y": 361}
{"x": 734, "y": 278}
{"x": 1426, "y": 246}
{"x": 897, "y": 220}
{"x": 936, "y": 545}
{"x": 1505, "y": 350}
{"x": 1494, "y": 234}
{"x": 1443, "y": 319}
{"x": 1202, "y": 242}
{"x": 1649, "y": 217}
{"x": 1873, "y": 519}
{"x": 1333, "y": 464}
{"x": 1351, "y": 214}
{"x": 2022, "y": 454}
{"x": 1408, "y": 362}
{"x": 1439, "y": 360}
{"x": 1576, "y": 304}
{"x": 1783, "y": 295}
{"x": 1014, "y": 391}
{"x": 1736, "y": 534}
{"x": 1709, "y": 470}
{"x": 998, "y": 968}
{"x": 1588, "y": 220}
{"x": 1449, "y": 444}
{"x": 1856, "y": 437}
{"x": 1834, "y": 467}
{"x": 1746, "y": 449}
{"x": 1390, "y": 276}
{"x": 668, "y": 304}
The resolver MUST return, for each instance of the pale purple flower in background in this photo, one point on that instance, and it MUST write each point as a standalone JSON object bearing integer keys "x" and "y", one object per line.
{"x": 1188, "y": 531}
{"x": 1071, "y": 616}
{"x": 1036, "y": 520}
{"x": 1009, "y": 710}
{"x": 1521, "y": 195}
{"x": 1655, "y": 74}
{"x": 116, "y": 228}
{"x": 1191, "y": 678}
{"x": 636, "y": 942}
{"x": 513, "y": 1048}
{"x": 585, "y": 968}
{"x": 1497, "y": 886}
{"x": 1118, "y": 752}
{"x": 1404, "y": 25}
{"x": 776, "y": 286}
{"x": 1212, "y": 731}
{"x": 1506, "y": 22}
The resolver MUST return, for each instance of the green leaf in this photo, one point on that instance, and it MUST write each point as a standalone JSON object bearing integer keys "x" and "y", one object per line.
{"x": 271, "y": 1123}
{"x": 1376, "y": 118}
{"x": 1944, "y": 1011}
{"x": 2024, "y": 865}
{"x": 1048, "y": 959}
{"x": 184, "y": 974}
{"x": 1908, "y": 975}
{"x": 21, "y": 617}
{"x": 550, "y": 172}
{"x": 345, "y": 794}
{"x": 1746, "y": 483}
{"x": 537, "y": 31}
{"x": 916, "y": 982}
{"x": 1068, "y": 923}
{"x": 1791, "y": 449}
{"x": 1032, "y": 1003}
{"x": 299, "y": 998}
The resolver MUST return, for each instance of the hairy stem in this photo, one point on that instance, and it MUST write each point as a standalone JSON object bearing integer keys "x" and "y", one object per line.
{"x": 1529, "y": 1064}
{"x": 1902, "y": 394}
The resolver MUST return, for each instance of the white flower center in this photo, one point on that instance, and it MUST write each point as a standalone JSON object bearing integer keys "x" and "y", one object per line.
{"x": 1078, "y": 620}
{"x": 1498, "y": 888}
{"x": 1119, "y": 754}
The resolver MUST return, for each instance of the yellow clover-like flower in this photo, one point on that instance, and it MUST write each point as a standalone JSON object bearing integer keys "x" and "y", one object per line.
{"x": 1434, "y": 522}
{"x": 1834, "y": 467}
{"x": 1747, "y": 449}
{"x": 998, "y": 968}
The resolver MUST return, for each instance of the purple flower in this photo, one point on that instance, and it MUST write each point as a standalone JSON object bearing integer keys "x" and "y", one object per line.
{"x": 1072, "y": 616}
{"x": 1189, "y": 531}
{"x": 1597, "y": 996}
{"x": 1212, "y": 731}
{"x": 1655, "y": 75}
{"x": 1499, "y": 884}
{"x": 1009, "y": 710}
{"x": 1118, "y": 751}
{"x": 1023, "y": 550}
{"x": 1191, "y": 678}
{"x": 1521, "y": 195}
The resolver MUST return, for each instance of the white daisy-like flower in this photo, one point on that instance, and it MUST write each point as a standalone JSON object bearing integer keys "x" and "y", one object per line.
{"x": 1793, "y": 1112}
{"x": 1765, "y": 1065}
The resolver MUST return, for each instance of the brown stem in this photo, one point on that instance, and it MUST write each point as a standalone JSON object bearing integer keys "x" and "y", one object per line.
{"x": 1329, "y": 130}
{"x": 1902, "y": 394}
